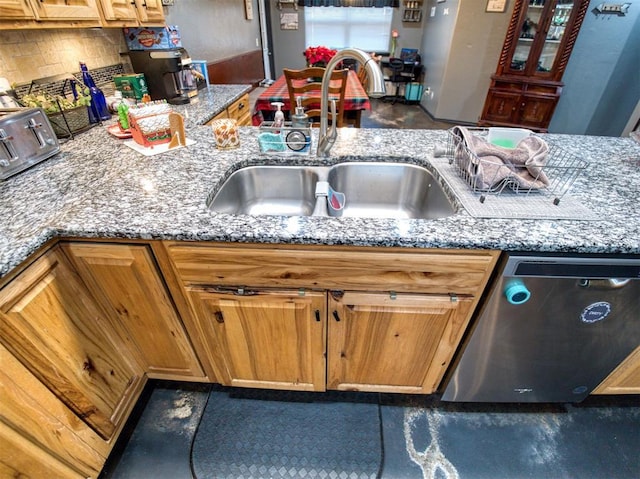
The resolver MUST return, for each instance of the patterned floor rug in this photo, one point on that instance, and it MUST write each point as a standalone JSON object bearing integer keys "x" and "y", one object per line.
{"x": 287, "y": 436}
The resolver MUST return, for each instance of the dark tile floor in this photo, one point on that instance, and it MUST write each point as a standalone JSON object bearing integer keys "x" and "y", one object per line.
{"x": 422, "y": 438}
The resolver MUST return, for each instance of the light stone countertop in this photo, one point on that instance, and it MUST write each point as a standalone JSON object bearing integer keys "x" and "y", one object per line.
{"x": 99, "y": 188}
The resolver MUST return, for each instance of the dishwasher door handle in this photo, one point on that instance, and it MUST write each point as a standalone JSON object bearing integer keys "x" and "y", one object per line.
{"x": 609, "y": 283}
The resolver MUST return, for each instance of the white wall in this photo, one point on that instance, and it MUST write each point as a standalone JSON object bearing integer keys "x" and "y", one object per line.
{"x": 602, "y": 79}
{"x": 215, "y": 29}
{"x": 461, "y": 52}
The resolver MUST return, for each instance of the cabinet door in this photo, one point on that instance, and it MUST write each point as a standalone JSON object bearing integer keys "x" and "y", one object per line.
{"x": 264, "y": 339}
{"x": 67, "y": 10}
{"x": 150, "y": 12}
{"x": 16, "y": 10}
{"x": 126, "y": 280}
{"x": 541, "y": 36}
{"x": 20, "y": 458}
{"x": 33, "y": 412}
{"x": 625, "y": 379}
{"x": 536, "y": 111}
{"x": 52, "y": 324}
{"x": 119, "y": 12}
{"x": 240, "y": 111}
{"x": 392, "y": 343}
{"x": 502, "y": 107}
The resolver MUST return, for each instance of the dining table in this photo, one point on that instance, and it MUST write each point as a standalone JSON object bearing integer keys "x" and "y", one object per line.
{"x": 356, "y": 101}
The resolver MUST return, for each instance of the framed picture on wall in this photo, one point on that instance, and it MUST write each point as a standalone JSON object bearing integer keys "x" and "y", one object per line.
{"x": 498, "y": 6}
{"x": 289, "y": 21}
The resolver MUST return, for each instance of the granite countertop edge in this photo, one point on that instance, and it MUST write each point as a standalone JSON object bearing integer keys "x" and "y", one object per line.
{"x": 99, "y": 188}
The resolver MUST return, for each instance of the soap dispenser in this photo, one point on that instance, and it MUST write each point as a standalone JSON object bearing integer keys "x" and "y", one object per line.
{"x": 299, "y": 119}
{"x": 278, "y": 119}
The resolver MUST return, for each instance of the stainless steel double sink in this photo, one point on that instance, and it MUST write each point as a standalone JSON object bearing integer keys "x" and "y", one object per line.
{"x": 371, "y": 189}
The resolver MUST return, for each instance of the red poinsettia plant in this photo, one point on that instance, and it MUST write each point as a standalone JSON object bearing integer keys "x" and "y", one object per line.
{"x": 319, "y": 55}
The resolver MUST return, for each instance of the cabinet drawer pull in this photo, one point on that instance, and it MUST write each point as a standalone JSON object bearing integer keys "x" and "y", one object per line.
{"x": 317, "y": 315}
{"x": 219, "y": 317}
{"x": 335, "y": 316}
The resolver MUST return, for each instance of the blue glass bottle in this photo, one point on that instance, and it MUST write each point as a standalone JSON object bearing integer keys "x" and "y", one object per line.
{"x": 99, "y": 108}
{"x": 92, "y": 116}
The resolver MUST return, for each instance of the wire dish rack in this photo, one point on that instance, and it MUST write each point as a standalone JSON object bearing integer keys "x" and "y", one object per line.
{"x": 534, "y": 167}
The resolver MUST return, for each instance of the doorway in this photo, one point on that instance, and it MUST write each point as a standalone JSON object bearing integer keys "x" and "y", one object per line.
{"x": 266, "y": 39}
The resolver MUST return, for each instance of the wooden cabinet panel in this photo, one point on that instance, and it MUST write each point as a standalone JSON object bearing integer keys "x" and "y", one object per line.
{"x": 239, "y": 110}
{"x": 333, "y": 267}
{"x": 52, "y": 324}
{"x": 127, "y": 281}
{"x": 20, "y": 458}
{"x": 402, "y": 343}
{"x": 67, "y": 10}
{"x": 502, "y": 107}
{"x": 264, "y": 339}
{"x": 625, "y": 379}
{"x": 536, "y": 111}
{"x": 150, "y": 12}
{"x": 121, "y": 13}
{"x": 16, "y": 10}
{"x": 32, "y": 410}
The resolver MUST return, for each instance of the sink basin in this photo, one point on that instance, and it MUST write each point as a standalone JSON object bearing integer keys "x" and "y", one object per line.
{"x": 372, "y": 190}
{"x": 268, "y": 190}
{"x": 389, "y": 190}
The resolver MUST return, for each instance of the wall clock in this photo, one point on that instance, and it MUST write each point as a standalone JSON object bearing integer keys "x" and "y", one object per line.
{"x": 248, "y": 9}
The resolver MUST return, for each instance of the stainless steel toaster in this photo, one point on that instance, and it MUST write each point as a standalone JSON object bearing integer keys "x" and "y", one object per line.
{"x": 26, "y": 138}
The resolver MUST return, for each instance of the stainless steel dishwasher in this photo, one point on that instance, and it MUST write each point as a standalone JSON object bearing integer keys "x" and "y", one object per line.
{"x": 551, "y": 329}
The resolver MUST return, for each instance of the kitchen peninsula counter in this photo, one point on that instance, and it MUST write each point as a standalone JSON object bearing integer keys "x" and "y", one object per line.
{"x": 97, "y": 187}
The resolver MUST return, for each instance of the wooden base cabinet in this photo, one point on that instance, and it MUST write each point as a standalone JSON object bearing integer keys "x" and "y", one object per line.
{"x": 50, "y": 322}
{"x": 262, "y": 338}
{"x": 393, "y": 322}
{"x": 127, "y": 282}
{"x": 396, "y": 343}
{"x": 239, "y": 110}
{"x": 39, "y": 435}
{"x": 625, "y": 379}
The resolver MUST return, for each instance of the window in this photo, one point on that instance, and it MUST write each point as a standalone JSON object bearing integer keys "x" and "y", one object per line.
{"x": 340, "y": 27}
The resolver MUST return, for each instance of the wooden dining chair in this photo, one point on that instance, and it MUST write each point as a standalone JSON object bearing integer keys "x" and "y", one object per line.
{"x": 307, "y": 83}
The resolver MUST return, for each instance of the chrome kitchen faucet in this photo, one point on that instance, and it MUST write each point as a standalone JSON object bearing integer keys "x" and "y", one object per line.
{"x": 375, "y": 89}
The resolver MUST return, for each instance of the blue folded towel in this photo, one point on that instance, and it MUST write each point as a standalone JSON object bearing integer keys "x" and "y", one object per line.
{"x": 271, "y": 142}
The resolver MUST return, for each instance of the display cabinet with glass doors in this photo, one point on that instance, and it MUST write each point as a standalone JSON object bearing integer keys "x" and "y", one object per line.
{"x": 525, "y": 89}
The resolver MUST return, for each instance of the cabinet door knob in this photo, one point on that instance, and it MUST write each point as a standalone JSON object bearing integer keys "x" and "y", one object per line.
{"x": 219, "y": 317}
{"x": 317, "y": 315}
{"x": 335, "y": 316}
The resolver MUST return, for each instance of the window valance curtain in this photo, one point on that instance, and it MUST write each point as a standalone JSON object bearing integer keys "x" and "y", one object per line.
{"x": 349, "y": 3}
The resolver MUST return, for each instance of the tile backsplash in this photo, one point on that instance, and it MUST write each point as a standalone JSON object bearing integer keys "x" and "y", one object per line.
{"x": 26, "y": 55}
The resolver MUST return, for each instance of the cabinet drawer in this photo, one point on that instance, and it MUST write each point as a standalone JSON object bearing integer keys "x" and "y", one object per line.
{"x": 508, "y": 86}
{"x": 333, "y": 267}
{"x": 240, "y": 110}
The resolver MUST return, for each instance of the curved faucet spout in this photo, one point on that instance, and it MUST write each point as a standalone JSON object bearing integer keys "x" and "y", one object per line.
{"x": 375, "y": 89}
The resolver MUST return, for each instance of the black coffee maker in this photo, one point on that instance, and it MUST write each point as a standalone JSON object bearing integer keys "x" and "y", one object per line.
{"x": 168, "y": 73}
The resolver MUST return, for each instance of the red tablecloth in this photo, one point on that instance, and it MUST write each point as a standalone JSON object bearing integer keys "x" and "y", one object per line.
{"x": 355, "y": 97}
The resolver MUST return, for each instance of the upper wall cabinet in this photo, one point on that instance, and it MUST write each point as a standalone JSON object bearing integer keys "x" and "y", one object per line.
{"x": 128, "y": 13}
{"x": 16, "y": 10}
{"x": 149, "y": 12}
{"x": 67, "y": 10}
{"x": 525, "y": 89}
{"x": 23, "y": 14}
